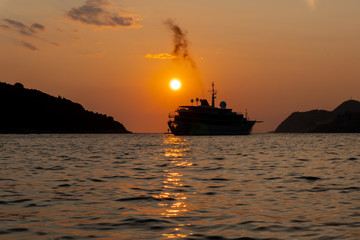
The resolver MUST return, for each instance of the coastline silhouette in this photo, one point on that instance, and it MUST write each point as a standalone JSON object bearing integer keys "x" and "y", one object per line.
{"x": 343, "y": 119}
{"x": 32, "y": 111}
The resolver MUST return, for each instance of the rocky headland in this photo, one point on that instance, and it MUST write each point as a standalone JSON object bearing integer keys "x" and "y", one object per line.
{"x": 32, "y": 111}
{"x": 343, "y": 119}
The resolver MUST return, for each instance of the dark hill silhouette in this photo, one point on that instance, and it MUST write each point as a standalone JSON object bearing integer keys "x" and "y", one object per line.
{"x": 299, "y": 122}
{"x": 345, "y": 118}
{"x": 348, "y": 106}
{"x": 32, "y": 111}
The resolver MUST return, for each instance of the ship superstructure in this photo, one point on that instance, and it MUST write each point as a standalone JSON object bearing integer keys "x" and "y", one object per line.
{"x": 205, "y": 119}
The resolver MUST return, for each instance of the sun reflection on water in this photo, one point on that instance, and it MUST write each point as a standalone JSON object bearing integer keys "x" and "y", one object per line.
{"x": 175, "y": 150}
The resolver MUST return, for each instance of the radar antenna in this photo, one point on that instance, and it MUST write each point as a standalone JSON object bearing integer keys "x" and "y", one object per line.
{"x": 213, "y": 95}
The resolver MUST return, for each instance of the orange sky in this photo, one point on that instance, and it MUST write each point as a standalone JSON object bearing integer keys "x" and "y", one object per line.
{"x": 269, "y": 57}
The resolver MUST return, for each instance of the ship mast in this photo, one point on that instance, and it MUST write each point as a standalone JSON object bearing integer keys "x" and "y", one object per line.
{"x": 213, "y": 95}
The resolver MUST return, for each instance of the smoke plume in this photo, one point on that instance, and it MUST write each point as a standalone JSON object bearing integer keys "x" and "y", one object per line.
{"x": 181, "y": 43}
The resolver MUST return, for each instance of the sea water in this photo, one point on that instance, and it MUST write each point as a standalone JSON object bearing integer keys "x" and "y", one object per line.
{"x": 158, "y": 186}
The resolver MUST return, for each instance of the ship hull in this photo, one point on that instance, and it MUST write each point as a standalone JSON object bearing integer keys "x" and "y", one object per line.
{"x": 205, "y": 119}
{"x": 182, "y": 129}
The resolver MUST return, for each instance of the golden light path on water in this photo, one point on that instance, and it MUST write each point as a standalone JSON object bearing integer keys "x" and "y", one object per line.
{"x": 175, "y": 149}
{"x": 152, "y": 186}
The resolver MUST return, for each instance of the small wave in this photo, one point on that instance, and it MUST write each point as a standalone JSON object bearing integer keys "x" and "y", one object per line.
{"x": 211, "y": 168}
{"x": 350, "y": 189}
{"x": 147, "y": 223}
{"x": 17, "y": 230}
{"x": 163, "y": 165}
{"x": 119, "y": 162}
{"x": 146, "y": 178}
{"x": 116, "y": 176}
{"x": 64, "y": 237}
{"x": 324, "y": 189}
{"x": 338, "y": 224}
{"x": 215, "y": 186}
{"x": 81, "y": 166}
{"x": 210, "y": 193}
{"x": 219, "y": 179}
{"x": 279, "y": 228}
{"x": 7, "y": 179}
{"x": 303, "y": 159}
{"x": 31, "y": 205}
{"x": 138, "y": 169}
{"x": 64, "y": 185}
{"x": 248, "y": 222}
{"x": 3, "y": 232}
{"x": 142, "y": 198}
{"x": 146, "y": 220}
{"x": 55, "y": 168}
{"x": 204, "y": 237}
{"x": 272, "y": 178}
{"x": 66, "y": 199}
{"x": 21, "y": 200}
{"x": 309, "y": 178}
{"x": 96, "y": 180}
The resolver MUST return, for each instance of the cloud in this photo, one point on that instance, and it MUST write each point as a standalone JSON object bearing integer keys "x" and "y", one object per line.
{"x": 29, "y": 31}
{"x": 161, "y": 56}
{"x": 23, "y": 29}
{"x": 5, "y": 27}
{"x": 95, "y": 12}
{"x": 38, "y": 26}
{"x": 29, "y": 46}
{"x": 15, "y": 23}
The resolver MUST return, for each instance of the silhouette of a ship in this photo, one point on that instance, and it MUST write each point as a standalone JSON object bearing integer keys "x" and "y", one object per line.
{"x": 204, "y": 119}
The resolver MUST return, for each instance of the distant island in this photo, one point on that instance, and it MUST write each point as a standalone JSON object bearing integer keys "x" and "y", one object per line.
{"x": 32, "y": 111}
{"x": 343, "y": 119}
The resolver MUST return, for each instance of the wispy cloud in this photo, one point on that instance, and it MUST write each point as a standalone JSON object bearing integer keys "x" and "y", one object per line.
{"x": 29, "y": 46}
{"x": 23, "y": 29}
{"x": 27, "y": 31}
{"x": 5, "y": 27}
{"x": 161, "y": 56}
{"x": 15, "y": 23}
{"x": 38, "y": 26}
{"x": 96, "y": 12}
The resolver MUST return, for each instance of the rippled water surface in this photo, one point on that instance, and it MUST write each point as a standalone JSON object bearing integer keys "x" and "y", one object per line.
{"x": 155, "y": 186}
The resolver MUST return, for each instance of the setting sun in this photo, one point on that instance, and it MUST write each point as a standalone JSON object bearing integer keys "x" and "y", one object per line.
{"x": 175, "y": 84}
